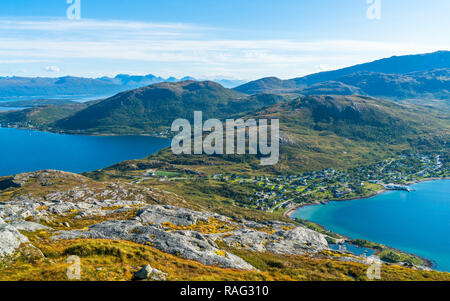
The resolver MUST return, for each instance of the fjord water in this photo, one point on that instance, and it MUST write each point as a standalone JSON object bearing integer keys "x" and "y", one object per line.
{"x": 5, "y": 109}
{"x": 24, "y": 150}
{"x": 417, "y": 222}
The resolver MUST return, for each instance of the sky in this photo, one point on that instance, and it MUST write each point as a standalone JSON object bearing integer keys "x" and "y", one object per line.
{"x": 235, "y": 39}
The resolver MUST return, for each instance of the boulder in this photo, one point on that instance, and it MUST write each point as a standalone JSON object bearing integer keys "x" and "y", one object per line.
{"x": 177, "y": 216}
{"x": 28, "y": 226}
{"x": 187, "y": 244}
{"x": 296, "y": 241}
{"x": 10, "y": 240}
{"x": 149, "y": 273}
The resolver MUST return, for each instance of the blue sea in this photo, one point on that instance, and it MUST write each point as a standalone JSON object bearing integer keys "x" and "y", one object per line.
{"x": 6, "y": 109}
{"x": 417, "y": 222}
{"x": 25, "y": 151}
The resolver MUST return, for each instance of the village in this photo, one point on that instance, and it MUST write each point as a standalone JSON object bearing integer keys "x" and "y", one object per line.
{"x": 277, "y": 194}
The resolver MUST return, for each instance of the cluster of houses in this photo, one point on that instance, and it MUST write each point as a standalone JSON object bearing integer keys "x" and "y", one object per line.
{"x": 286, "y": 190}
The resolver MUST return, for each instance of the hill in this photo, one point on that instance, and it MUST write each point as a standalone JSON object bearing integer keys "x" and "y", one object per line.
{"x": 39, "y": 117}
{"x": 154, "y": 108}
{"x": 40, "y": 114}
{"x": 393, "y": 65}
{"x": 428, "y": 84}
{"x": 338, "y": 131}
{"x": 272, "y": 84}
{"x": 321, "y": 132}
{"x": 426, "y": 88}
{"x": 411, "y": 76}
{"x": 331, "y": 88}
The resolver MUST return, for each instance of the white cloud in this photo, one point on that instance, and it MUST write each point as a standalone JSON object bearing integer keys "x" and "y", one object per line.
{"x": 63, "y": 24}
{"x": 19, "y": 61}
{"x": 322, "y": 68}
{"x": 197, "y": 49}
{"x": 52, "y": 69}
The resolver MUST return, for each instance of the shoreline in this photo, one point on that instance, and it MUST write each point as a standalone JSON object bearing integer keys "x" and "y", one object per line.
{"x": 427, "y": 262}
{"x": 291, "y": 210}
{"x": 85, "y": 134}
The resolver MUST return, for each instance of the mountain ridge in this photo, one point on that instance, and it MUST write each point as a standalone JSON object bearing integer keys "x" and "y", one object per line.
{"x": 70, "y": 86}
{"x": 155, "y": 107}
{"x": 394, "y": 67}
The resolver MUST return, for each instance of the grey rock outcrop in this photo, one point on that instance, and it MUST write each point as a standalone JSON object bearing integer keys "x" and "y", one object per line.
{"x": 22, "y": 208}
{"x": 149, "y": 273}
{"x": 10, "y": 239}
{"x": 28, "y": 226}
{"x": 175, "y": 215}
{"x": 187, "y": 244}
{"x": 148, "y": 229}
{"x": 178, "y": 231}
{"x": 296, "y": 241}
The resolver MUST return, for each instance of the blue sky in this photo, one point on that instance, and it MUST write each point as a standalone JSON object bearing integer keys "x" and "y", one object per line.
{"x": 245, "y": 39}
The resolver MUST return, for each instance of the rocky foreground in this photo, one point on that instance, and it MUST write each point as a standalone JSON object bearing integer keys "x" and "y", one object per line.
{"x": 67, "y": 207}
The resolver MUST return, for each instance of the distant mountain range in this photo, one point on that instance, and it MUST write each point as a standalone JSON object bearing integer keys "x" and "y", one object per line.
{"x": 423, "y": 84}
{"x": 79, "y": 87}
{"x": 152, "y": 109}
{"x": 35, "y": 103}
{"x": 424, "y": 76}
{"x": 398, "y": 77}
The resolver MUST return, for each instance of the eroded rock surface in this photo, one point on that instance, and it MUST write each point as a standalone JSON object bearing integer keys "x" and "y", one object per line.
{"x": 187, "y": 244}
{"x": 296, "y": 241}
{"x": 149, "y": 228}
{"x": 179, "y": 231}
{"x": 10, "y": 239}
{"x": 174, "y": 215}
{"x": 28, "y": 226}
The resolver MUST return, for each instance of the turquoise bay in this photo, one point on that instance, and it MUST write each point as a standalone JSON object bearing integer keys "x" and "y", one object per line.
{"x": 25, "y": 151}
{"x": 417, "y": 222}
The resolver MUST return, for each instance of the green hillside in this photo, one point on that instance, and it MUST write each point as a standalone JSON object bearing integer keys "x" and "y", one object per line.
{"x": 39, "y": 117}
{"x": 339, "y": 131}
{"x": 320, "y": 132}
{"x": 154, "y": 108}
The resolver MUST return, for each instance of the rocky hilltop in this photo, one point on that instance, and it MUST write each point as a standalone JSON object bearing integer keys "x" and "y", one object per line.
{"x": 174, "y": 230}
{"x": 50, "y": 215}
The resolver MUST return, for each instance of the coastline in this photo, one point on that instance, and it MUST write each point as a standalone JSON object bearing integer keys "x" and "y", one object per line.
{"x": 291, "y": 210}
{"x": 427, "y": 262}
{"x": 86, "y": 134}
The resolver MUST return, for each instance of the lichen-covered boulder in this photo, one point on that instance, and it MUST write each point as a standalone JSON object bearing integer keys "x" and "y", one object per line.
{"x": 295, "y": 241}
{"x": 28, "y": 226}
{"x": 187, "y": 244}
{"x": 151, "y": 274}
{"x": 178, "y": 216}
{"x": 10, "y": 239}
